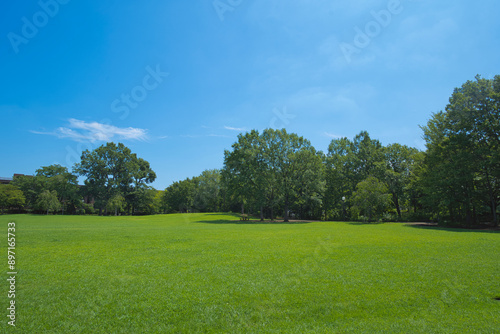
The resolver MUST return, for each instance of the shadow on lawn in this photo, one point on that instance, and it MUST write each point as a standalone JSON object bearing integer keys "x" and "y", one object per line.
{"x": 221, "y": 214}
{"x": 366, "y": 223}
{"x": 236, "y": 220}
{"x": 453, "y": 229}
{"x": 250, "y": 222}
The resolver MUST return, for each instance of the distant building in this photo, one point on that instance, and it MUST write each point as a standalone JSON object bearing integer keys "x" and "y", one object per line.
{"x": 7, "y": 180}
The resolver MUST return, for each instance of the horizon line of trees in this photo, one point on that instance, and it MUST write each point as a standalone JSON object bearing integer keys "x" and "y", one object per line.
{"x": 279, "y": 174}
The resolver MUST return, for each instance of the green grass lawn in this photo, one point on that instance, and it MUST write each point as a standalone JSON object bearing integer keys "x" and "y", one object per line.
{"x": 203, "y": 273}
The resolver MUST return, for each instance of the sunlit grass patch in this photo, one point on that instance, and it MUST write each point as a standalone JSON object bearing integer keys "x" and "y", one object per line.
{"x": 198, "y": 273}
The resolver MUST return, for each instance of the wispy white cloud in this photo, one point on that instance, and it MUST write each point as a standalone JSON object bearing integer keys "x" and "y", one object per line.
{"x": 332, "y": 135}
{"x": 211, "y": 135}
{"x": 82, "y": 131}
{"x": 234, "y": 129}
{"x": 301, "y": 10}
{"x": 336, "y": 59}
{"x": 330, "y": 100}
{"x": 218, "y": 136}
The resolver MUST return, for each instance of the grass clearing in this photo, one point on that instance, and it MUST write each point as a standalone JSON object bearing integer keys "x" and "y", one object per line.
{"x": 209, "y": 273}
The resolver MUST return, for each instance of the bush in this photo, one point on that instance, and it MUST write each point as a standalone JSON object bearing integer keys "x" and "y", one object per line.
{"x": 362, "y": 218}
{"x": 389, "y": 217}
{"x": 87, "y": 209}
{"x": 420, "y": 216}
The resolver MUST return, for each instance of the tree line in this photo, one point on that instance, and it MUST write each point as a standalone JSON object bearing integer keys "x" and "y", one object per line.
{"x": 116, "y": 181}
{"x": 273, "y": 173}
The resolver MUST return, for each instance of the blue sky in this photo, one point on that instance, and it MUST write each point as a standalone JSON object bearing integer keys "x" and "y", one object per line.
{"x": 176, "y": 81}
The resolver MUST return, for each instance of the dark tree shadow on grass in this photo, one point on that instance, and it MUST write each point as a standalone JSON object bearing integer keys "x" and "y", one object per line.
{"x": 365, "y": 223}
{"x": 480, "y": 229}
{"x": 251, "y": 222}
{"x": 221, "y": 214}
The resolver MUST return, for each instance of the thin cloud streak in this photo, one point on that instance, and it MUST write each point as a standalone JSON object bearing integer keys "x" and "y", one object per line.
{"x": 333, "y": 136}
{"x": 234, "y": 129}
{"x": 82, "y": 131}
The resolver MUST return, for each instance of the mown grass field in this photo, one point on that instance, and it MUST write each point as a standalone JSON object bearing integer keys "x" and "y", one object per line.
{"x": 202, "y": 273}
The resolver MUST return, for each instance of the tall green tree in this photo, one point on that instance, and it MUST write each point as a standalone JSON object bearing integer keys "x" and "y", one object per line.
{"x": 58, "y": 178}
{"x": 462, "y": 163}
{"x": 310, "y": 183}
{"x": 11, "y": 197}
{"x": 48, "y": 201}
{"x": 371, "y": 197}
{"x": 30, "y": 186}
{"x": 396, "y": 171}
{"x": 160, "y": 205}
{"x": 138, "y": 193}
{"x": 340, "y": 178}
{"x": 282, "y": 158}
{"x": 113, "y": 169}
{"x": 349, "y": 162}
{"x": 145, "y": 201}
{"x": 116, "y": 204}
{"x": 179, "y": 196}
{"x": 245, "y": 173}
{"x": 275, "y": 168}
{"x": 367, "y": 155}
{"x": 207, "y": 196}
{"x": 415, "y": 190}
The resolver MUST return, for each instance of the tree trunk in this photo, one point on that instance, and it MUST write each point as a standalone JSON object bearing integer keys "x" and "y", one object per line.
{"x": 396, "y": 203}
{"x": 286, "y": 212}
{"x": 492, "y": 200}
{"x": 494, "y": 210}
{"x": 242, "y": 208}
{"x": 452, "y": 213}
{"x": 261, "y": 213}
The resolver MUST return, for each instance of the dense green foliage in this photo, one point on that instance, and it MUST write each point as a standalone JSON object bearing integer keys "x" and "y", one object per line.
{"x": 207, "y": 273}
{"x": 65, "y": 185}
{"x": 276, "y": 174}
{"x": 198, "y": 194}
{"x": 461, "y": 171}
{"x": 57, "y": 181}
{"x": 371, "y": 198}
{"x": 48, "y": 201}
{"x": 275, "y": 169}
{"x": 11, "y": 197}
{"x": 116, "y": 179}
{"x": 112, "y": 170}
{"x": 116, "y": 204}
